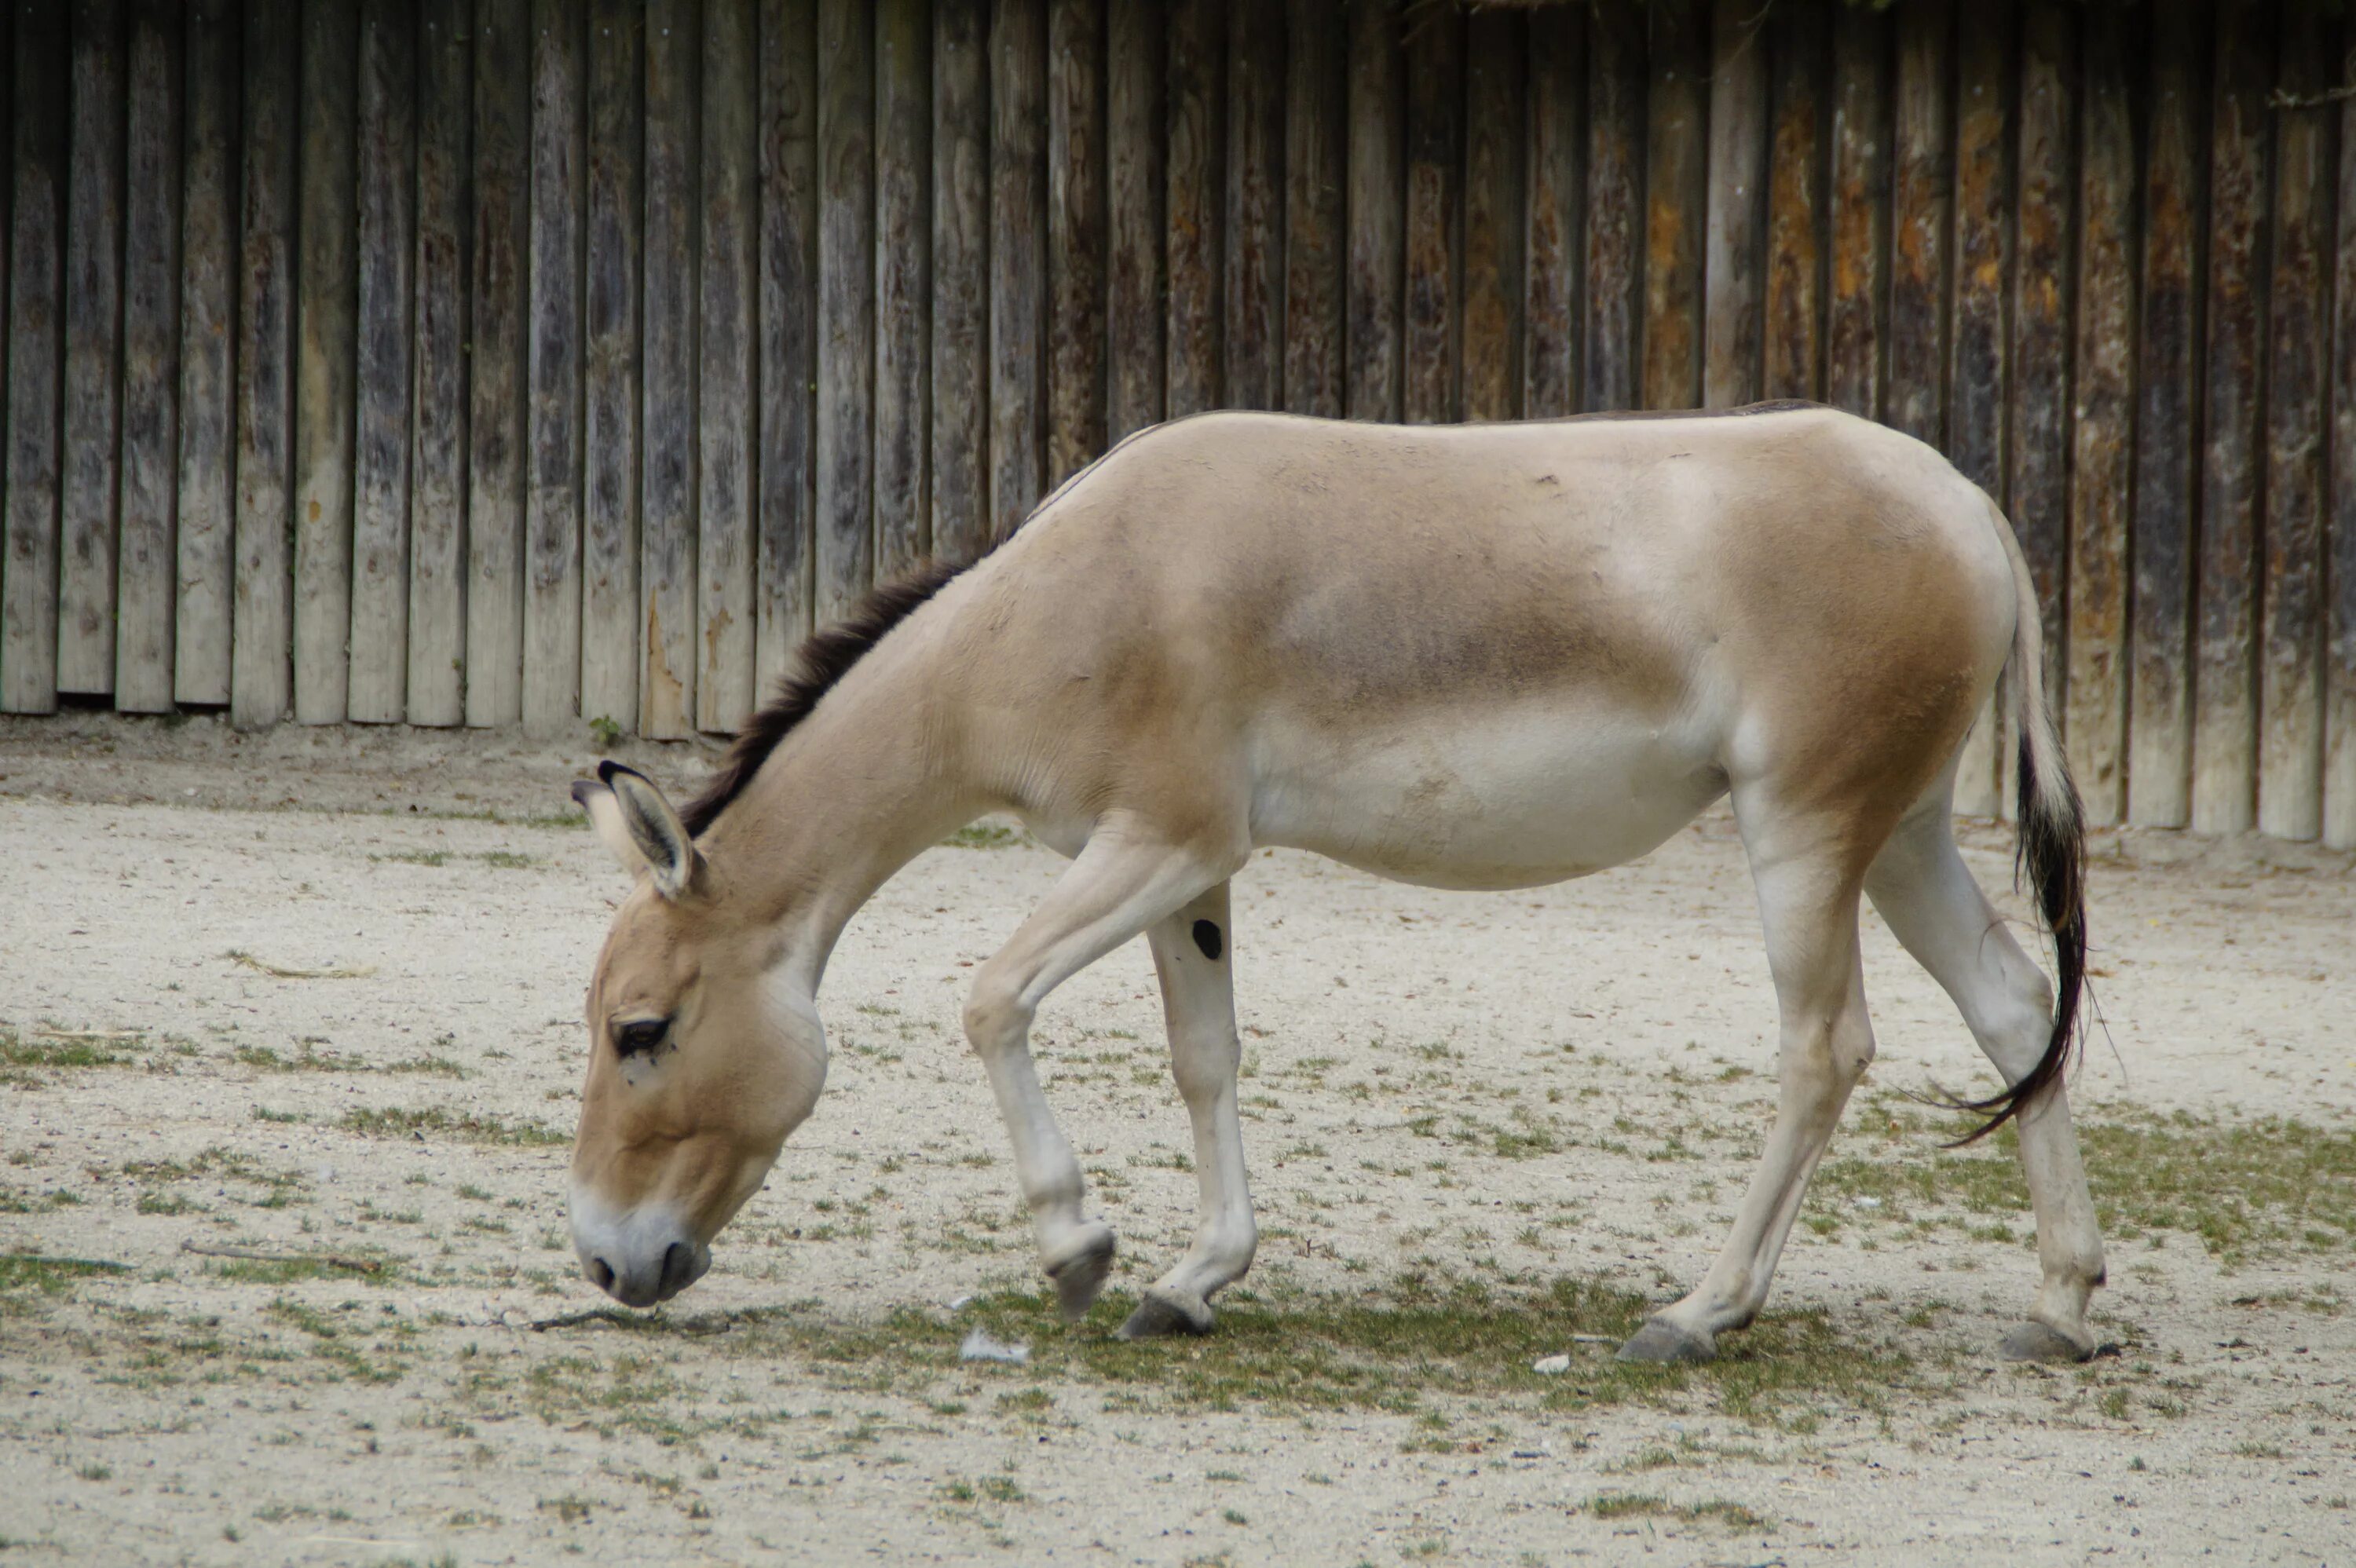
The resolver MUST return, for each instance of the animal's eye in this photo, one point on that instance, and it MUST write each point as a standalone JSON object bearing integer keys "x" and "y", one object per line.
{"x": 640, "y": 1035}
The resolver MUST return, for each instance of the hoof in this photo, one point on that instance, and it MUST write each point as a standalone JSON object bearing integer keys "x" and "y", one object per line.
{"x": 1164, "y": 1314}
{"x": 1662, "y": 1341}
{"x": 2034, "y": 1342}
{"x": 1080, "y": 1273}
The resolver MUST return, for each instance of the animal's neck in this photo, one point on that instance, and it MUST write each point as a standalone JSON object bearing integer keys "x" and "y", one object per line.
{"x": 863, "y": 786}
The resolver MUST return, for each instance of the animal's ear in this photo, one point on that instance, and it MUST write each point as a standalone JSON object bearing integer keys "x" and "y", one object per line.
{"x": 639, "y": 826}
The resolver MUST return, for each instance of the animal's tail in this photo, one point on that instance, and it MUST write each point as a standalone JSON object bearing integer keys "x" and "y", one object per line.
{"x": 2053, "y": 848}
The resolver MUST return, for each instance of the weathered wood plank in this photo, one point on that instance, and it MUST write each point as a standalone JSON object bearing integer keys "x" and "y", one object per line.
{"x": 1255, "y": 233}
{"x": 327, "y": 283}
{"x": 1489, "y": 339}
{"x": 1315, "y": 134}
{"x": 1373, "y": 326}
{"x": 2037, "y": 444}
{"x": 1677, "y": 172}
{"x": 1018, "y": 178}
{"x": 37, "y": 265}
{"x": 1196, "y": 171}
{"x": 2224, "y": 738}
{"x": 846, "y": 306}
{"x": 1615, "y": 195}
{"x": 1855, "y": 283}
{"x": 1076, "y": 235}
{"x": 93, "y": 332}
{"x": 726, "y": 385}
{"x": 2297, "y": 392}
{"x": 147, "y": 557}
{"x": 1976, "y": 379}
{"x": 1793, "y": 353}
{"x": 1554, "y": 251}
{"x": 553, "y": 453}
{"x": 789, "y": 220}
{"x": 960, "y": 475}
{"x": 2168, "y": 413}
{"x": 612, "y": 210}
{"x": 2340, "y": 615}
{"x": 1740, "y": 47}
{"x": 903, "y": 161}
{"x": 207, "y": 507}
{"x": 495, "y": 361}
{"x": 2102, "y": 468}
{"x": 387, "y": 241}
{"x": 667, "y": 493}
{"x": 1135, "y": 44}
{"x": 437, "y": 462}
{"x": 261, "y": 678}
{"x": 1435, "y": 161}
{"x": 1919, "y": 219}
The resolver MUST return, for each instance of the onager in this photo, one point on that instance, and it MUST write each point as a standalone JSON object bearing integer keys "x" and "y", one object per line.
{"x": 1483, "y": 656}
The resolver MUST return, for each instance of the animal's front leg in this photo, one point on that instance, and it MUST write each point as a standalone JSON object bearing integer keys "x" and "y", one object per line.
{"x": 1117, "y": 887}
{"x": 1192, "y": 950}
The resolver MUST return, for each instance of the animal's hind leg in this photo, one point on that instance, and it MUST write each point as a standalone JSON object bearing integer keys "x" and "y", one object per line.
{"x": 1122, "y": 883}
{"x": 1926, "y": 893}
{"x": 1191, "y": 953}
{"x": 1807, "y": 902}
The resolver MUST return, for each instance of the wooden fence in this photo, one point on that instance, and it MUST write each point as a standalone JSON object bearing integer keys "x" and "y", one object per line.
{"x": 543, "y": 362}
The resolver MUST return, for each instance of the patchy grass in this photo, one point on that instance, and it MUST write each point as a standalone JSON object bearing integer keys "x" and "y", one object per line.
{"x": 476, "y": 1126}
{"x": 1639, "y": 1505}
{"x": 24, "y": 1275}
{"x": 67, "y": 1048}
{"x": 982, "y": 836}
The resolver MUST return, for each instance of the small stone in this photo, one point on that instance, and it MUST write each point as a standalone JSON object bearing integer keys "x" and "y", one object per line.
{"x": 980, "y": 1347}
{"x": 1551, "y": 1366}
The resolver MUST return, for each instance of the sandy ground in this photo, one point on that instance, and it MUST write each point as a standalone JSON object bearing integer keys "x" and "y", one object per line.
{"x": 316, "y": 995}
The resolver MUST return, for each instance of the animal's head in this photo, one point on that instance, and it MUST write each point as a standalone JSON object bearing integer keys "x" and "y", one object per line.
{"x": 704, "y": 1054}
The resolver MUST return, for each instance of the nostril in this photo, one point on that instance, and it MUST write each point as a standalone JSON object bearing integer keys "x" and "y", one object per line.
{"x": 602, "y": 1272}
{"x": 677, "y": 1259}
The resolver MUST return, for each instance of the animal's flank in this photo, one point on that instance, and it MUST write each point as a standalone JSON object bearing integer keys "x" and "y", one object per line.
{"x": 820, "y": 665}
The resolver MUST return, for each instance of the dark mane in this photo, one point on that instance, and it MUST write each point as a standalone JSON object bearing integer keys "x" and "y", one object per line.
{"x": 820, "y": 665}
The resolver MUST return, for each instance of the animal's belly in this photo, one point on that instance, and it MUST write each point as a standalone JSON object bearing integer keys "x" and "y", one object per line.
{"x": 1510, "y": 800}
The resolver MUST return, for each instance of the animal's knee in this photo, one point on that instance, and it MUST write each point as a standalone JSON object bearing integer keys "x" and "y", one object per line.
{"x": 995, "y": 1013}
{"x": 1205, "y": 1063}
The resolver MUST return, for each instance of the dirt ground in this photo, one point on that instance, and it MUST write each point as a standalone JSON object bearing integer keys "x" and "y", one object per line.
{"x": 315, "y": 996}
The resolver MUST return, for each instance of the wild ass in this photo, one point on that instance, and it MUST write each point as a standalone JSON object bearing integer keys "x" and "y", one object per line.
{"x": 1480, "y": 656}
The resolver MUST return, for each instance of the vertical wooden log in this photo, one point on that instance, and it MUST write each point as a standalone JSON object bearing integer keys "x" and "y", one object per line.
{"x": 437, "y": 460}
{"x": 149, "y": 557}
{"x": 1435, "y": 83}
{"x": 327, "y": 284}
{"x": 207, "y": 510}
{"x": 494, "y": 428}
{"x": 1793, "y": 353}
{"x": 789, "y": 223}
{"x": 1739, "y": 45}
{"x": 2297, "y": 393}
{"x": 1373, "y": 326}
{"x": 612, "y": 208}
{"x": 259, "y": 672}
{"x": 37, "y": 233}
{"x": 387, "y": 183}
{"x": 846, "y": 306}
{"x": 1615, "y": 195}
{"x": 1255, "y": 184}
{"x": 961, "y": 279}
{"x": 1315, "y": 134}
{"x": 552, "y": 456}
{"x": 2339, "y": 612}
{"x": 667, "y": 491}
{"x": 1490, "y": 338}
{"x": 1919, "y": 217}
{"x": 2103, "y": 429}
{"x": 2224, "y": 738}
{"x": 1976, "y": 377}
{"x": 1076, "y": 235}
{"x": 1677, "y": 172}
{"x": 1198, "y": 118}
{"x": 1855, "y": 321}
{"x": 2037, "y": 446}
{"x": 1134, "y": 57}
{"x": 2167, "y": 423}
{"x": 903, "y": 162}
{"x": 1550, "y": 302}
{"x": 1018, "y": 178}
{"x": 726, "y": 329}
{"x": 93, "y": 350}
